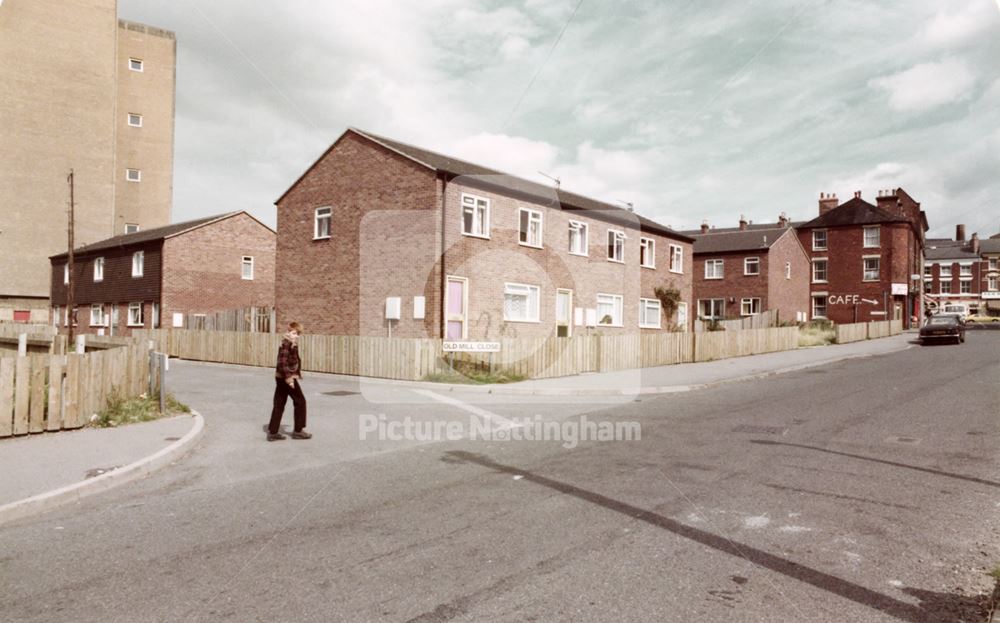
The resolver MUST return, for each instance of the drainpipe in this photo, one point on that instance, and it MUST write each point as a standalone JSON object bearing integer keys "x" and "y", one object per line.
{"x": 442, "y": 303}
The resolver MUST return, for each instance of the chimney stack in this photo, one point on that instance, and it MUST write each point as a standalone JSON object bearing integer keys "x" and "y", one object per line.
{"x": 704, "y": 226}
{"x": 960, "y": 232}
{"x": 857, "y": 194}
{"x": 743, "y": 223}
{"x": 783, "y": 220}
{"x": 975, "y": 243}
{"x": 827, "y": 202}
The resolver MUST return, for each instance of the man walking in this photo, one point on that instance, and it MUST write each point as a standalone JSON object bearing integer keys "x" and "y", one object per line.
{"x": 287, "y": 374}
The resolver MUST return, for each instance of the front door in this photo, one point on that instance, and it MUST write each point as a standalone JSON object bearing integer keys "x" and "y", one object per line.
{"x": 456, "y": 304}
{"x": 682, "y": 316}
{"x": 564, "y": 313}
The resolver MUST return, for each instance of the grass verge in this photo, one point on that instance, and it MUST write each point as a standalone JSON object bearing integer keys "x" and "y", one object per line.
{"x": 816, "y": 334}
{"x": 473, "y": 377}
{"x": 121, "y": 411}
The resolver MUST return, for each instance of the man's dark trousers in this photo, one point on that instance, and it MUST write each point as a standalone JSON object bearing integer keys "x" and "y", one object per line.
{"x": 282, "y": 390}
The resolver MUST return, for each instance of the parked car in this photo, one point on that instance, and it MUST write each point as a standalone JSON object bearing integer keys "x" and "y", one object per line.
{"x": 983, "y": 319}
{"x": 955, "y": 309}
{"x": 943, "y": 327}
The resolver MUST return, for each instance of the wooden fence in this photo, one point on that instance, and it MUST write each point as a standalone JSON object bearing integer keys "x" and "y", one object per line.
{"x": 14, "y": 329}
{"x": 415, "y": 359}
{"x": 249, "y": 319}
{"x": 40, "y": 393}
{"x": 763, "y": 320}
{"x": 858, "y": 331}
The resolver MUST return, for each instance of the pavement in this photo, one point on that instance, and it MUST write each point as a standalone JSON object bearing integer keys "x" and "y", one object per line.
{"x": 46, "y": 470}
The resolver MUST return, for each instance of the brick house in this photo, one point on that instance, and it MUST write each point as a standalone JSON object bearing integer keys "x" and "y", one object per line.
{"x": 743, "y": 271}
{"x": 867, "y": 260}
{"x": 140, "y": 280}
{"x": 382, "y": 238}
{"x": 963, "y": 271}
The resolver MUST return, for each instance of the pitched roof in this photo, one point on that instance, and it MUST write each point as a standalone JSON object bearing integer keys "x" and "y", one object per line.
{"x": 750, "y": 227}
{"x": 856, "y": 211}
{"x": 554, "y": 198}
{"x": 149, "y": 235}
{"x": 990, "y": 245}
{"x": 738, "y": 240}
{"x": 951, "y": 252}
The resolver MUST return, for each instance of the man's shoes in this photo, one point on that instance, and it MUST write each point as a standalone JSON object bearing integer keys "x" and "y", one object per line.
{"x": 275, "y": 437}
{"x": 300, "y": 434}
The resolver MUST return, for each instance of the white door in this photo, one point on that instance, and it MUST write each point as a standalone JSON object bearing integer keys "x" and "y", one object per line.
{"x": 456, "y": 306}
{"x": 564, "y": 313}
{"x": 682, "y": 316}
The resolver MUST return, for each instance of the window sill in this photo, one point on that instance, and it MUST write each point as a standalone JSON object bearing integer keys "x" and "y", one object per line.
{"x": 522, "y": 321}
{"x": 677, "y": 272}
{"x": 610, "y": 259}
{"x": 713, "y": 278}
{"x": 820, "y": 248}
{"x": 135, "y": 326}
{"x": 650, "y": 326}
{"x": 480, "y": 236}
{"x": 247, "y": 278}
{"x": 530, "y": 246}
{"x": 315, "y": 238}
{"x": 649, "y": 267}
{"x": 821, "y": 281}
{"x": 870, "y": 280}
{"x": 578, "y": 254}
{"x": 751, "y": 274}
{"x": 611, "y": 326}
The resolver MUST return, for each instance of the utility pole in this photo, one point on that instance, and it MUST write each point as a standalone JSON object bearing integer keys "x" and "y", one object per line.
{"x": 69, "y": 292}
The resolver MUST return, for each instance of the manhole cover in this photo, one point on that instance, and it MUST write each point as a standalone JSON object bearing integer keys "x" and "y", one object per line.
{"x": 341, "y": 392}
{"x": 760, "y": 430}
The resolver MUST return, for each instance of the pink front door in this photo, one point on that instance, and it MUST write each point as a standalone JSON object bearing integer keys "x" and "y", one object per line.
{"x": 455, "y": 310}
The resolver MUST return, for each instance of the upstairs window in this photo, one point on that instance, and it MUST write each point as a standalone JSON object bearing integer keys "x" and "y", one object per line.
{"x": 647, "y": 252}
{"x": 676, "y": 258}
{"x": 135, "y": 120}
{"x": 751, "y": 266}
{"x": 321, "y": 223}
{"x": 247, "y": 267}
{"x": 137, "y": 263}
{"x": 530, "y": 228}
{"x": 871, "y": 272}
{"x": 871, "y": 237}
{"x": 135, "y": 64}
{"x": 944, "y": 271}
{"x": 133, "y": 175}
{"x": 819, "y": 271}
{"x": 965, "y": 271}
{"x": 616, "y": 246}
{"x": 819, "y": 240}
{"x": 713, "y": 269}
{"x": 99, "y": 269}
{"x": 475, "y": 216}
{"x": 578, "y": 238}
{"x": 788, "y": 270}
{"x": 131, "y": 228}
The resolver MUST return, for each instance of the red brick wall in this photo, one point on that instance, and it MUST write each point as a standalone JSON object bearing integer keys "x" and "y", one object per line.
{"x": 789, "y": 296}
{"x": 202, "y": 268}
{"x": 734, "y": 285}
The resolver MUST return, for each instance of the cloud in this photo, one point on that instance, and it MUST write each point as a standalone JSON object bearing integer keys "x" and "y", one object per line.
{"x": 926, "y": 86}
{"x": 511, "y": 154}
{"x": 950, "y": 27}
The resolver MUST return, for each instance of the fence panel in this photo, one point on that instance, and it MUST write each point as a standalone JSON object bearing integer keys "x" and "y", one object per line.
{"x": 854, "y": 332}
{"x": 6, "y": 396}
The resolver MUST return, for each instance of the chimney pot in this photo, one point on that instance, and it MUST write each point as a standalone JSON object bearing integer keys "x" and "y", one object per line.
{"x": 704, "y": 226}
{"x": 960, "y": 232}
{"x": 827, "y": 202}
{"x": 743, "y": 222}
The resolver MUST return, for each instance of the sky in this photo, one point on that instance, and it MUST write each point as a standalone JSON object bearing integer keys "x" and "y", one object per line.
{"x": 689, "y": 110}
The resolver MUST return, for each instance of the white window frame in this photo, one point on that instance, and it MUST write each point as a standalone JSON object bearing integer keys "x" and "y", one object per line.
{"x": 535, "y": 216}
{"x": 993, "y": 284}
{"x": 826, "y": 269}
{"x": 135, "y": 309}
{"x": 616, "y": 246}
{"x": 583, "y": 231}
{"x": 744, "y": 303}
{"x": 965, "y": 270}
{"x": 322, "y": 214}
{"x": 98, "y": 320}
{"x": 826, "y": 242}
{"x": 66, "y": 274}
{"x": 247, "y": 261}
{"x": 878, "y": 237}
{"x": 98, "y": 269}
{"x": 135, "y": 225}
{"x": 533, "y": 305}
{"x": 155, "y": 320}
{"x": 477, "y": 204}
{"x": 649, "y": 246}
{"x": 712, "y": 316}
{"x": 746, "y": 266}
{"x": 617, "y": 302}
{"x": 865, "y": 270}
{"x": 677, "y": 259}
{"x": 788, "y": 270}
{"x": 138, "y": 263}
{"x": 943, "y": 289}
{"x": 944, "y": 271}
{"x": 647, "y": 305}
{"x": 133, "y": 175}
{"x": 965, "y": 286}
{"x": 826, "y": 304}
{"x": 994, "y": 263}
{"x": 136, "y": 116}
{"x": 715, "y": 263}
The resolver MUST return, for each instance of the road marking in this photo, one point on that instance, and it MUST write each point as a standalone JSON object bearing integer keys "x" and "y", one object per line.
{"x": 499, "y": 421}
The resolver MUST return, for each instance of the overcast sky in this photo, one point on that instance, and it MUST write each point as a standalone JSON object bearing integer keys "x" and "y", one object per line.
{"x": 690, "y": 110}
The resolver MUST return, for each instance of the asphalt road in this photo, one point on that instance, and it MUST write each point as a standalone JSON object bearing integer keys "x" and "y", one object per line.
{"x": 867, "y": 490}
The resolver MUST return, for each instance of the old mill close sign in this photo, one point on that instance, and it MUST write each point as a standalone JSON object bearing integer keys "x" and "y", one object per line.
{"x": 451, "y": 346}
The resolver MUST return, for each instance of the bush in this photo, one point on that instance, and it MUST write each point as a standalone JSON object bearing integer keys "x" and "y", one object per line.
{"x": 816, "y": 333}
{"x": 120, "y": 411}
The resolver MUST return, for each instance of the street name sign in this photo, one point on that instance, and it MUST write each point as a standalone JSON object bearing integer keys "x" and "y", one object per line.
{"x": 450, "y": 346}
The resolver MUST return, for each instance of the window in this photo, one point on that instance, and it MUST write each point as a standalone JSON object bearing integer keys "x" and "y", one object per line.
{"x": 135, "y": 120}
{"x": 994, "y": 263}
{"x": 749, "y": 307}
{"x": 520, "y": 302}
{"x": 819, "y": 306}
{"x": 135, "y": 64}
{"x": 945, "y": 287}
{"x": 676, "y": 258}
{"x": 135, "y": 315}
{"x": 713, "y": 269}
{"x": 131, "y": 228}
{"x": 992, "y": 284}
{"x": 819, "y": 270}
{"x": 133, "y": 175}
{"x": 751, "y": 266}
{"x": 99, "y": 269}
{"x": 609, "y": 310}
{"x": 788, "y": 270}
{"x": 965, "y": 287}
{"x": 927, "y": 270}
{"x": 248, "y": 267}
{"x": 137, "y": 262}
{"x": 649, "y": 313}
{"x": 712, "y": 309}
{"x": 65, "y": 274}
{"x": 616, "y": 246}
{"x": 577, "y": 238}
{"x": 321, "y": 223}
{"x": 927, "y": 286}
{"x": 944, "y": 271}
{"x": 155, "y": 320}
{"x": 475, "y": 216}
{"x": 871, "y": 269}
{"x": 965, "y": 271}
{"x": 96, "y": 316}
{"x": 647, "y": 252}
{"x": 819, "y": 240}
{"x": 871, "y": 237}
{"x": 530, "y": 227}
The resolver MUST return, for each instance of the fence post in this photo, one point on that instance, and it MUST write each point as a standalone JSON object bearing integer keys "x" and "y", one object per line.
{"x": 81, "y": 344}
{"x": 163, "y": 382}
{"x": 22, "y": 344}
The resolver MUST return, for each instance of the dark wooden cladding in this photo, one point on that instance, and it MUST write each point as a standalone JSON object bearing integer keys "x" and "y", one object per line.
{"x": 118, "y": 286}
